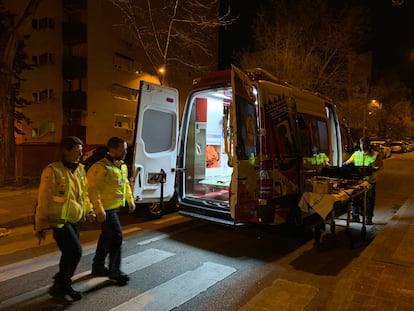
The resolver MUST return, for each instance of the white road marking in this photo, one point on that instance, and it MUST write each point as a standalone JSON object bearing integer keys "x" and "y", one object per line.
{"x": 178, "y": 290}
{"x": 168, "y": 235}
{"x": 130, "y": 264}
{"x": 35, "y": 264}
{"x": 154, "y": 239}
{"x": 38, "y": 263}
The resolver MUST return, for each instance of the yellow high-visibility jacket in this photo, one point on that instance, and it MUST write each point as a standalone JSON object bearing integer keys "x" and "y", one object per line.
{"x": 63, "y": 197}
{"x": 372, "y": 159}
{"x": 109, "y": 186}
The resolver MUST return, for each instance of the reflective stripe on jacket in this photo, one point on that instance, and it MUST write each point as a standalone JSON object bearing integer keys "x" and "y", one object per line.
{"x": 359, "y": 158}
{"x": 108, "y": 185}
{"x": 320, "y": 158}
{"x": 62, "y": 196}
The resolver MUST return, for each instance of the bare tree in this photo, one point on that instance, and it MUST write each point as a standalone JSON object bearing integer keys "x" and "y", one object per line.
{"x": 307, "y": 43}
{"x": 393, "y": 117}
{"x": 174, "y": 31}
{"x": 10, "y": 37}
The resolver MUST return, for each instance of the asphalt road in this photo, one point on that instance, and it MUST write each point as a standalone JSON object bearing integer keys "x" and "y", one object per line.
{"x": 183, "y": 264}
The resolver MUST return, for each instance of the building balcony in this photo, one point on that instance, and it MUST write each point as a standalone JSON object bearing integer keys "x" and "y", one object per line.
{"x": 74, "y": 100}
{"x": 74, "y": 67}
{"x": 73, "y": 33}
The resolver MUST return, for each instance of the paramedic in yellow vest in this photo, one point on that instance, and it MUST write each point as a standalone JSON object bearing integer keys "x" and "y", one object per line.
{"x": 366, "y": 157}
{"x": 316, "y": 161}
{"x": 62, "y": 203}
{"x": 319, "y": 158}
{"x": 109, "y": 191}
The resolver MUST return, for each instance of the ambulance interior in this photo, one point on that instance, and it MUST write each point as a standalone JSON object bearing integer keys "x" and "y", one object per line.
{"x": 208, "y": 173}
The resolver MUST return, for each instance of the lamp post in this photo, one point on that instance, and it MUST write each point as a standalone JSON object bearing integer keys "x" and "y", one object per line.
{"x": 161, "y": 72}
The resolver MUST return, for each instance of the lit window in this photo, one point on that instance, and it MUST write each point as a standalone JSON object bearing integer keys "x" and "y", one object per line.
{"x": 122, "y": 62}
{"x": 124, "y": 122}
{"x": 124, "y": 93}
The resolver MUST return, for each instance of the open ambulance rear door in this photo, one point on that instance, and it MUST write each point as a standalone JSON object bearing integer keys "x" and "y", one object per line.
{"x": 155, "y": 147}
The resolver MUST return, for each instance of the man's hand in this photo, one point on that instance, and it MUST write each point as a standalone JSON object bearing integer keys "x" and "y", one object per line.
{"x": 91, "y": 217}
{"x": 131, "y": 207}
{"x": 41, "y": 235}
{"x": 101, "y": 217}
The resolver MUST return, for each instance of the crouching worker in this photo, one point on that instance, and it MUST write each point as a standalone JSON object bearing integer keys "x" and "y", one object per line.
{"x": 366, "y": 157}
{"x": 63, "y": 202}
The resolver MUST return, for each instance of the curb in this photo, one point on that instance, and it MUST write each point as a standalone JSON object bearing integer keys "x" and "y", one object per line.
{"x": 21, "y": 221}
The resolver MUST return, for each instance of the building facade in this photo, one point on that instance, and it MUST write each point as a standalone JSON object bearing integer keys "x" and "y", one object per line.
{"x": 85, "y": 78}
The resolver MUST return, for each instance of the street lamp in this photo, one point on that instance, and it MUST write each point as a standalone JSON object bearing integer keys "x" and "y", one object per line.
{"x": 371, "y": 107}
{"x": 161, "y": 72}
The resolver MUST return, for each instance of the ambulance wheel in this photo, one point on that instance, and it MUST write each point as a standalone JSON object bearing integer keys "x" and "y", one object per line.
{"x": 154, "y": 211}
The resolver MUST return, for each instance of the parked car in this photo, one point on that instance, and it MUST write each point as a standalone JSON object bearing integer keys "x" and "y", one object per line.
{"x": 398, "y": 146}
{"x": 409, "y": 144}
{"x": 382, "y": 147}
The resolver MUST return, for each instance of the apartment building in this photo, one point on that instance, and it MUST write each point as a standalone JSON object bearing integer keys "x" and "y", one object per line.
{"x": 85, "y": 78}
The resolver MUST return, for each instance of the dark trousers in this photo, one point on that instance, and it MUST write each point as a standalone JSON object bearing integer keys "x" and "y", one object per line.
{"x": 370, "y": 204}
{"x": 110, "y": 242}
{"x": 67, "y": 239}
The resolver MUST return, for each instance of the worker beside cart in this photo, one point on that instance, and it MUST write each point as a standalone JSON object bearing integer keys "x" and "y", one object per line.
{"x": 371, "y": 161}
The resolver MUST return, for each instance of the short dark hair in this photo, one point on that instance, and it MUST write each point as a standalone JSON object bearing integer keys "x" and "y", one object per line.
{"x": 365, "y": 140}
{"x": 115, "y": 142}
{"x": 68, "y": 142}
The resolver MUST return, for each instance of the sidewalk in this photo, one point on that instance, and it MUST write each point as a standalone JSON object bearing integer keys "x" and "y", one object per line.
{"x": 17, "y": 207}
{"x": 381, "y": 278}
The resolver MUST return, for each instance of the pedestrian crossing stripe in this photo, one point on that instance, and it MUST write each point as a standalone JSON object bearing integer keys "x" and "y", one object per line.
{"x": 130, "y": 264}
{"x": 35, "y": 264}
{"x": 82, "y": 282}
{"x": 178, "y": 290}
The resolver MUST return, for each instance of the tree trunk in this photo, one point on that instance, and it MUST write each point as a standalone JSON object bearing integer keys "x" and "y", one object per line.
{"x": 7, "y": 140}
{"x": 7, "y": 109}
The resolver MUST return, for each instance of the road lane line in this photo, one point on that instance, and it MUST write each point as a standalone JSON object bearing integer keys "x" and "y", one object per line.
{"x": 130, "y": 264}
{"x": 178, "y": 290}
{"x": 35, "y": 264}
{"x": 38, "y": 263}
{"x": 168, "y": 235}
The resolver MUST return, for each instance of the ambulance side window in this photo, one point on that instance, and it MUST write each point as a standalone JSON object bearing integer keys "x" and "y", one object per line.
{"x": 313, "y": 131}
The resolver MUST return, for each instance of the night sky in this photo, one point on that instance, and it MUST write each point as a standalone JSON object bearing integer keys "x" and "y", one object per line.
{"x": 391, "y": 40}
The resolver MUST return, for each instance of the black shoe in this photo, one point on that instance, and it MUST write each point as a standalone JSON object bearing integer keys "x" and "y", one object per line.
{"x": 74, "y": 294}
{"x": 103, "y": 271}
{"x": 355, "y": 218}
{"x": 56, "y": 291}
{"x": 369, "y": 221}
{"x": 119, "y": 278}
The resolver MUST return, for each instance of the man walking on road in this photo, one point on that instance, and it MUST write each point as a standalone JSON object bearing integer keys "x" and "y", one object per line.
{"x": 62, "y": 203}
{"x": 109, "y": 190}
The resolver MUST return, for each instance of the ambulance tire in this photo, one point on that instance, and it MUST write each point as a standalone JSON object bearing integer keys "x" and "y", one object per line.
{"x": 154, "y": 211}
